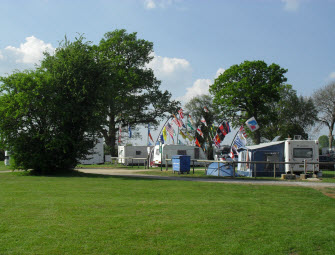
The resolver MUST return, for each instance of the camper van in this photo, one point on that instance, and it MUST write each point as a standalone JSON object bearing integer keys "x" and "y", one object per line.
{"x": 299, "y": 151}
{"x": 132, "y": 152}
{"x": 170, "y": 150}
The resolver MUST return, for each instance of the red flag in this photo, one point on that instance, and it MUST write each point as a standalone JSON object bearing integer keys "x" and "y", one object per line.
{"x": 200, "y": 132}
{"x": 242, "y": 130}
{"x": 203, "y": 121}
{"x": 205, "y": 109}
{"x": 223, "y": 130}
{"x": 181, "y": 115}
{"x": 176, "y": 121}
{"x": 197, "y": 142}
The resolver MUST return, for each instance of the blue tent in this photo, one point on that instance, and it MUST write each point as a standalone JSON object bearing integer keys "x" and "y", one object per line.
{"x": 225, "y": 169}
{"x": 273, "y": 151}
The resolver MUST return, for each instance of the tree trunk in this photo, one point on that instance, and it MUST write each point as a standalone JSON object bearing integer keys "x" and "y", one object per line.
{"x": 257, "y": 136}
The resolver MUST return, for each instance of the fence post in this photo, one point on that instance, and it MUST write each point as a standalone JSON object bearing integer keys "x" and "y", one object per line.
{"x": 274, "y": 170}
{"x": 193, "y": 165}
{"x": 132, "y": 162}
{"x": 255, "y": 168}
{"x": 218, "y": 168}
{"x": 305, "y": 166}
{"x": 233, "y": 169}
{"x": 166, "y": 163}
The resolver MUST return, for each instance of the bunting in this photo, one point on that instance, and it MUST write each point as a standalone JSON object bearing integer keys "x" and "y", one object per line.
{"x": 203, "y": 120}
{"x": 197, "y": 142}
{"x": 181, "y": 114}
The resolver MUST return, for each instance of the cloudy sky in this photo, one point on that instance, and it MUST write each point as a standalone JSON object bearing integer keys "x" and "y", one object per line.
{"x": 194, "y": 40}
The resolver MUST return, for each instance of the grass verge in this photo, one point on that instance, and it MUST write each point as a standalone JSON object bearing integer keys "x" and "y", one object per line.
{"x": 92, "y": 214}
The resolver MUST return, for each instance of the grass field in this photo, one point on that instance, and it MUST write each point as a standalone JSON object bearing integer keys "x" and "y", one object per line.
{"x": 91, "y": 214}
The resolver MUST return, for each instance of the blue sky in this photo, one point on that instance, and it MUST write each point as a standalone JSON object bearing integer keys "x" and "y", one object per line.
{"x": 193, "y": 40}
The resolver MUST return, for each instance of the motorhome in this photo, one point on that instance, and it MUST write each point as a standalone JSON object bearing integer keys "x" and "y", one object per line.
{"x": 169, "y": 150}
{"x": 96, "y": 155}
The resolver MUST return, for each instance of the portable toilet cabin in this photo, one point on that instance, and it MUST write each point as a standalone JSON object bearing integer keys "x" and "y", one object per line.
{"x": 268, "y": 152}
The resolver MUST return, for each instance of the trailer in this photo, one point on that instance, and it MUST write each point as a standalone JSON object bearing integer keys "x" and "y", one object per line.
{"x": 125, "y": 152}
{"x": 169, "y": 150}
{"x": 96, "y": 155}
{"x": 289, "y": 151}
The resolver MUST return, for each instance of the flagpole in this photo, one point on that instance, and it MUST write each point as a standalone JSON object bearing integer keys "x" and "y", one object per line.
{"x": 162, "y": 129}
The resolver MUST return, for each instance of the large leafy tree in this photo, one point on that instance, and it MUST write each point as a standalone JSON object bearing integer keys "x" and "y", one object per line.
{"x": 324, "y": 100}
{"x": 49, "y": 117}
{"x": 292, "y": 115}
{"x": 132, "y": 92}
{"x": 245, "y": 90}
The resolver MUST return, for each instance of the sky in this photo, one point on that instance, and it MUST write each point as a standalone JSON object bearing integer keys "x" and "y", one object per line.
{"x": 194, "y": 40}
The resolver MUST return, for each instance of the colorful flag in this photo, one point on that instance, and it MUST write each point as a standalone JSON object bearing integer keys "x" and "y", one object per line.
{"x": 149, "y": 134}
{"x": 169, "y": 128}
{"x": 217, "y": 141}
{"x": 203, "y": 120}
{"x": 189, "y": 124}
{"x": 197, "y": 142}
{"x": 162, "y": 139}
{"x": 129, "y": 131}
{"x": 164, "y": 133}
{"x": 200, "y": 132}
{"x": 181, "y": 115}
{"x": 228, "y": 127}
{"x": 189, "y": 136}
{"x": 182, "y": 134}
{"x": 223, "y": 130}
{"x": 177, "y": 121}
{"x": 205, "y": 109}
{"x": 191, "y": 119}
{"x": 252, "y": 124}
{"x": 242, "y": 131}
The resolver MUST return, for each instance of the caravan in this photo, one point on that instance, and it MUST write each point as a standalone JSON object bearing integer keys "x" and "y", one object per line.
{"x": 169, "y": 150}
{"x": 125, "y": 152}
{"x": 289, "y": 151}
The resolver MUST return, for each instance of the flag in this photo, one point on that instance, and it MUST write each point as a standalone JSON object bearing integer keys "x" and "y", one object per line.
{"x": 129, "y": 131}
{"x": 203, "y": 121}
{"x": 182, "y": 123}
{"x": 191, "y": 119}
{"x": 169, "y": 128}
{"x": 233, "y": 152}
{"x": 222, "y": 130}
{"x": 181, "y": 115}
{"x": 182, "y": 134}
{"x": 242, "y": 131}
{"x": 217, "y": 141}
{"x": 162, "y": 139}
{"x": 190, "y": 125}
{"x": 149, "y": 134}
{"x": 200, "y": 132}
{"x": 205, "y": 109}
{"x": 197, "y": 142}
{"x": 176, "y": 121}
{"x": 164, "y": 133}
{"x": 189, "y": 136}
{"x": 252, "y": 124}
{"x": 228, "y": 127}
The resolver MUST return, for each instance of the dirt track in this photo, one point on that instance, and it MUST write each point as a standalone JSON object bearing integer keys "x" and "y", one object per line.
{"x": 137, "y": 174}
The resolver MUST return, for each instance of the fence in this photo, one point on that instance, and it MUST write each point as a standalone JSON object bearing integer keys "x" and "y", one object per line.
{"x": 270, "y": 168}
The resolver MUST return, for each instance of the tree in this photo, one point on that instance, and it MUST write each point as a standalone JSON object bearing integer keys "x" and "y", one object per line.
{"x": 324, "y": 100}
{"x": 49, "y": 116}
{"x": 292, "y": 115}
{"x": 244, "y": 91}
{"x": 324, "y": 141}
{"x": 132, "y": 91}
{"x": 195, "y": 107}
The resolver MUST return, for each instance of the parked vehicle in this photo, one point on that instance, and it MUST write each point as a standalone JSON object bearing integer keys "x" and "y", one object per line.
{"x": 325, "y": 159}
{"x": 132, "y": 152}
{"x": 169, "y": 150}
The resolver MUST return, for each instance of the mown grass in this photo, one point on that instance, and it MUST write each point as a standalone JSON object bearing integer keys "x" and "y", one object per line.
{"x": 3, "y": 167}
{"x": 92, "y": 214}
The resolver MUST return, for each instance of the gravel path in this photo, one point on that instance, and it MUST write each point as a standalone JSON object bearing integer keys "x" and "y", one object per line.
{"x": 137, "y": 174}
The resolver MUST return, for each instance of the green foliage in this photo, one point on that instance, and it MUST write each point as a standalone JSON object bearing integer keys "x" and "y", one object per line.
{"x": 49, "y": 116}
{"x": 245, "y": 90}
{"x": 291, "y": 115}
{"x": 132, "y": 92}
{"x": 324, "y": 141}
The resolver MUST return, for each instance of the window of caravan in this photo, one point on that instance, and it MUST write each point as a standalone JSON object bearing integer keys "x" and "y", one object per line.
{"x": 302, "y": 152}
{"x": 138, "y": 152}
{"x": 181, "y": 152}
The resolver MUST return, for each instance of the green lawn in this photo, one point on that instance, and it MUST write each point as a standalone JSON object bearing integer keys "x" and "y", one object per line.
{"x": 91, "y": 214}
{"x": 3, "y": 167}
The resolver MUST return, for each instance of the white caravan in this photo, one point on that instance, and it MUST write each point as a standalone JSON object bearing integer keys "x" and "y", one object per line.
{"x": 170, "y": 150}
{"x": 96, "y": 155}
{"x": 132, "y": 152}
{"x": 297, "y": 151}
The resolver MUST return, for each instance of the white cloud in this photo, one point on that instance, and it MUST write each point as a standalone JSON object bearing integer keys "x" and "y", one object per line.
{"x": 291, "y": 5}
{"x": 31, "y": 51}
{"x": 167, "y": 66}
{"x": 149, "y": 4}
{"x": 1, "y": 56}
{"x": 152, "y": 4}
{"x": 331, "y": 75}
{"x": 200, "y": 87}
{"x": 219, "y": 71}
